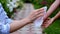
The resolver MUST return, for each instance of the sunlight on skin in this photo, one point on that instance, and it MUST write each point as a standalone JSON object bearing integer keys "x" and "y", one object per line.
{"x": 50, "y": 21}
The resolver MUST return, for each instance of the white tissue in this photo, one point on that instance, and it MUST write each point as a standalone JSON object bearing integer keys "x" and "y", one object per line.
{"x": 38, "y": 22}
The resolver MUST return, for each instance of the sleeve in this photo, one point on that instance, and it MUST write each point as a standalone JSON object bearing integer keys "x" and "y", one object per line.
{"x": 4, "y": 28}
{"x": 3, "y": 15}
{"x": 8, "y": 20}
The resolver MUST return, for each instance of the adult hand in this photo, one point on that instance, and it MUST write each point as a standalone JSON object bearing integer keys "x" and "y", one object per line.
{"x": 17, "y": 24}
{"x": 35, "y": 14}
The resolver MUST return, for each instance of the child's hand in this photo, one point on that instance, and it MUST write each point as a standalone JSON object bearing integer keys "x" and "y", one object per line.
{"x": 35, "y": 14}
{"x": 47, "y": 22}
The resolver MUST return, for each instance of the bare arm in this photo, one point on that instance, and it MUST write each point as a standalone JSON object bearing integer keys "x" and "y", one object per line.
{"x": 52, "y": 8}
{"x": 50, "y": 21}
{"x": 57, "y": 16}
{"x": 15, "y": 25}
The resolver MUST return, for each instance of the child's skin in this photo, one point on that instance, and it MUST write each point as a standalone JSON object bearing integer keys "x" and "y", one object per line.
{"x": 52, "y": 8}
{"x": 47, "y": 22}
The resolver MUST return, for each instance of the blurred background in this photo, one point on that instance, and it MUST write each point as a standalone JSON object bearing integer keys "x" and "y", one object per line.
{"x": 19, "y": 7}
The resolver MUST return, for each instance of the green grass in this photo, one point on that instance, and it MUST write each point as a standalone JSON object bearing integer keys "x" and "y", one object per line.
{"x": 53, "y": 28}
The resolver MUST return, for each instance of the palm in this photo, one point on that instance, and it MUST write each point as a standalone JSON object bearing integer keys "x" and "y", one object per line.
{"x": 47, "y": 22}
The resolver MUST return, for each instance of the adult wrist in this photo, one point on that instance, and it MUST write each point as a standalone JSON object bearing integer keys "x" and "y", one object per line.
{"x": 28, "y": 20}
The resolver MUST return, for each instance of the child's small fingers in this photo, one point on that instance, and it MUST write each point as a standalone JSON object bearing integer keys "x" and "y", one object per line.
{"x": 43, "y": 25}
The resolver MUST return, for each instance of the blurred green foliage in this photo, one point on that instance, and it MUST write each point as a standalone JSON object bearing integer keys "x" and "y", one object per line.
{"x": 55, "y": 27}
{"x": 4, "y": 4}
{"x": 10, "y": 13}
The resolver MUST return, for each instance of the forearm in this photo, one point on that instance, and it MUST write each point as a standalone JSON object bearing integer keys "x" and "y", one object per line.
{"x": 57, "y": 16}
{"x": 51, "y": 9}
{"x": 15, "y": 25}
